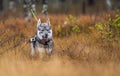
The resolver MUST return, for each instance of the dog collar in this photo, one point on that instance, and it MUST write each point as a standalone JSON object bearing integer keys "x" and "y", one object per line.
{"x": 42, "y": 41}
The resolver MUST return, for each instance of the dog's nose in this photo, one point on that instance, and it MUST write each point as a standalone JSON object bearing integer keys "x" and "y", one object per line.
{"x": 42, "y": 36}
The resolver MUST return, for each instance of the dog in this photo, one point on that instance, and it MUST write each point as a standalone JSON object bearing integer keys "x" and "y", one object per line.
{"x": 42, "y": 42}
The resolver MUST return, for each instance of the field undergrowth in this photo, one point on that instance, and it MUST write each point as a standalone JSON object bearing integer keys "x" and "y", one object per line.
{"x": 84, "y": 46}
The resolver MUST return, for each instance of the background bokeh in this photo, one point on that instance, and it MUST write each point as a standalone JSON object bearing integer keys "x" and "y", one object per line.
{"x": 66, "y": 6}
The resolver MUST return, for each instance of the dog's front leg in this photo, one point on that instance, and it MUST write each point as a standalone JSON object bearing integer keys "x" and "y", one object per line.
{"x": 41, "y": 52}
{"x": 32, "y": 49}
{"x": 49, "y": 50}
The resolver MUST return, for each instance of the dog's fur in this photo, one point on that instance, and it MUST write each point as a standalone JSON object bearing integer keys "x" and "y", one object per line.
{"x": 43, "y": 39}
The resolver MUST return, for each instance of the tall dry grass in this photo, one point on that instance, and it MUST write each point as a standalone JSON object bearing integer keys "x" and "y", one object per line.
{"x": 83, "y": 54}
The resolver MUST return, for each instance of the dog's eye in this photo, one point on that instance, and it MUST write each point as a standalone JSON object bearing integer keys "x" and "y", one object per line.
{"x": 48, "y": 31}
{"x": 40, "y": 32}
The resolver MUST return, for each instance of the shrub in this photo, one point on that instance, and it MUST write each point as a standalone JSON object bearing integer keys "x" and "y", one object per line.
{"x": 76, "y": 29}
{"x": 69, "y": 26}
{"x": 110, "y": 30}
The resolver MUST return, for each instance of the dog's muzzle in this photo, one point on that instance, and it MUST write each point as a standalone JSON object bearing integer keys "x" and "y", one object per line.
{"x": 45, "y": 36}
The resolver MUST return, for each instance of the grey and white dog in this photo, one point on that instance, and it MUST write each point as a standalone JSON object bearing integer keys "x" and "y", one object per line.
{"x": 42, "y": 42}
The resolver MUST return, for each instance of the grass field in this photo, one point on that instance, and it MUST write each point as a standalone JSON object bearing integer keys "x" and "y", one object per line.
{"x": 80, "y": 51}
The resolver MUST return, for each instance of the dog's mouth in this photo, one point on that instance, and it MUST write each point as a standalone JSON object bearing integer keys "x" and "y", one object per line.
{"x": 45, "y": 36}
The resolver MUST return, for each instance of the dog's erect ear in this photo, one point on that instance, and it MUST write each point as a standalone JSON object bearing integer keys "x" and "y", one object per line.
{"x": 48, "y": 21}
{"x": 39, "y": 23}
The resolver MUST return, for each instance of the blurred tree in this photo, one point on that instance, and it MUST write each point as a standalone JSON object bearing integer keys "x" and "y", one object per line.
{"x": 74, "y": 1}
{"x": 63, "y": 5}
{"x": 28, "y": 5}
{"x": 1, "y": 5}
{"x": 44, "y": 1}
{"x": 38, "y": 1}
{"x": 91, "y": 6}
{"x": 45, "y": 7}
{"x": 91, "y": 2}
{"x": 118, "y": 5}
{"x": 109, "y": 4}
{"x": 33, "y": 5}
{"x": 12, "y": 5}
{"x": 5, "y": 4}
{"x": 84, "y": 6}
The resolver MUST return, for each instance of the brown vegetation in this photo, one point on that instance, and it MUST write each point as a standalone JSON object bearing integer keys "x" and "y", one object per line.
{"x": 79, "y": 52}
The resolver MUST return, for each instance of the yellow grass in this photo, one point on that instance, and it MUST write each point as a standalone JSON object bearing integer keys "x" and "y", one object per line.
{"x": 83, "y": 54}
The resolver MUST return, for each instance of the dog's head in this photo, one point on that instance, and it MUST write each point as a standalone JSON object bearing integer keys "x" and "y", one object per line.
{"x": 44, "y": 31}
